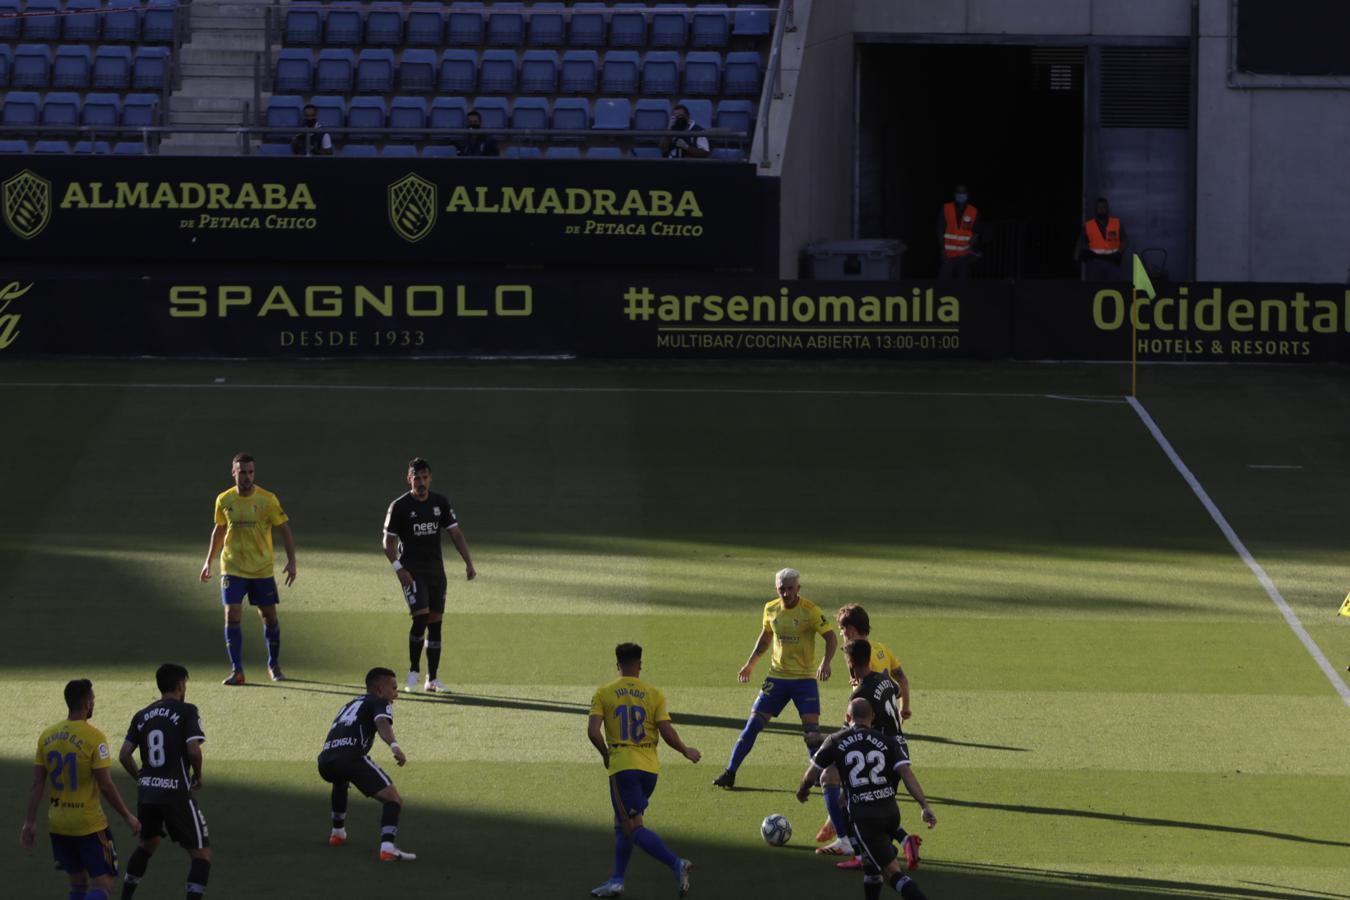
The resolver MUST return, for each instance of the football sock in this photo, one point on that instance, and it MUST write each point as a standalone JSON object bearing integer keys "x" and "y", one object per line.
{"x": 272, "y": 635}
{"x": 419, "y": 628}
{"x": 96, "y": 894}
{"x": 653, "y": 846}
{"x": 811, "y": 735}
{"x": 433, "y": 648}
{"x": 836, "y": 810}
{"x": 753, "y": 726}
{"x": 76, "y": 894}
{"x": 198, "y": 872}
{"x": 906, "y": 887}
{"x": 234, "y": 642}
{"x": 135, "y": 872}
{"x": 339, "y": 804}
{"x": 872, "y": 887}
{"x": 623, "y": 849}
{"x": 389, "y": 822}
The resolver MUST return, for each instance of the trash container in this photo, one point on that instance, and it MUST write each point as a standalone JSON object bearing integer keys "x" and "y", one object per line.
{"x": 863, "y": 260}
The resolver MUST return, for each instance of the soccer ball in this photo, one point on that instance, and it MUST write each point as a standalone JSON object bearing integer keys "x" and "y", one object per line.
{"x": 776, "y": 830}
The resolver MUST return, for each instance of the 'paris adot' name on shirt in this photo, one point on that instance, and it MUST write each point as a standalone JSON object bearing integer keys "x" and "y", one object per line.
{"x": 418, "y": 525}
{"x": 869, "y": 766}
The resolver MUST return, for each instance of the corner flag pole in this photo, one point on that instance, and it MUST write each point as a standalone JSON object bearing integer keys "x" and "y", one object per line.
{"x": 1140, "y": 284}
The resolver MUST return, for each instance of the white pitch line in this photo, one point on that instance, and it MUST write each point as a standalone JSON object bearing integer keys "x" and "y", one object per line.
{"x": 1271, "y": 591}
{"x": 1259, "y": 466}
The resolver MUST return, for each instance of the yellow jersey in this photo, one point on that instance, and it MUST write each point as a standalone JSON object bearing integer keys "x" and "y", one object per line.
{"x": 248, "y": 538}
{"x": 70, "y": 751}
{"x": 883, "y": 660}
{"x": 794, "y": 637}
{"x": 631, "y": 708}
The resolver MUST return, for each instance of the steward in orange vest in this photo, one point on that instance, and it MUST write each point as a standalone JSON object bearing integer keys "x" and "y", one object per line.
{"x": 958, "y": 236}
{"x": 1101, "y": 244}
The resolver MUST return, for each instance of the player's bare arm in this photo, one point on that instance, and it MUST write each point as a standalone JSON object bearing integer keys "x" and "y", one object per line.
{"x": 28, "y": 833}
{"x": 213, "y": 548}
{"x": 391, "y": 553}
{"x": 386, "y": 731}
{"x": 761, "y": 647}
{"x": 831, "y": 644}
{"x": 288, "y": 541}
{"x": 810, "y": 778}
{"x": 108, "y": 789}
{"x": 912, "y": 785}
{"x": 595, "y": 730}
{"x": 673, "y": 739}
{"x": 903, "y": 683}
{"x": 462, "y": 545}
{"x": 127, "y": 757}
{"x": 194, "y": 755}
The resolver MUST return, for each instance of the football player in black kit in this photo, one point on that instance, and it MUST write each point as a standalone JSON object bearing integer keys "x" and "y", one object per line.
{"x": 412, "y": 544}
{"x": 345, "y": 759}
{"x": 168, "y": 735}
{"x": 870, "y": 764}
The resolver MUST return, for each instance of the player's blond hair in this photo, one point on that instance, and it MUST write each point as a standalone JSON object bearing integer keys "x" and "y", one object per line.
{"x": 785, "y": 575}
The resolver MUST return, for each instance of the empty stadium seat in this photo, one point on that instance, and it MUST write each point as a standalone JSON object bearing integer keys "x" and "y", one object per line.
{"x": 563, "y": 153}
{"x": 112, "y": 68}
{"x": 275, "y": 150}
{"x": 31, "y": 67}
{"x": 12, "y": 146}
{"x": 150, "y": 68}
{"x": 612, "y": 114}
{"x": 122, "y": 22}
{"x": 580, "y": 72}
{"x": 366, "y": 112}
{"x": 342, "y": 24}
{"x": 6, "y": 61}
{"x": 440, "y": 150}
{"x": 709, "y": 29}
{"x": 159, "y": 21}
{"x": 284, "y": 112}
{"x": 647, "y": 152}
{"x": 140, "y": 111}
{"x": 375, "y": 71}
{"x": 101, "y": 111}
{"x": 570, "y": 114}
{"x": 546, "y": 29}
{"x": 702, "y": 73}
{"x": 86, "y": 28}
{"x": 447, "y": 112}
{"x": 399, "y": 150}
{"x": 426, "y": 25}
{"x": 733, "y": 154}
{"x": 741, "y": 74}
{"x": 497, "y": 72}
{"x": 459, "y": 72}
{"x": 71, "y": 65}
{"x": 530, "y": 112}
{"x": 408, "y": 113}
{"x": 493, "y": 111}
{"x": 332, "y": 111}
{"x": 417, "y": 70}
{"x": 463, "y": 25}
{"x": 521, "y": 151}
{"x": 359, "y": 150}
{"x": 587, "y": 25}
{"x": 10, "y": 27}
{"x": 668, "y": 29}
{"x": 20, "y": 108}
{"x": 628, "y": 29}
{"x": 303, "y": 26}
{"x": 91, "y": 147}
{"x": 661, "y": 72}
{"x": 384, "y": 25}
{"x": 539, "y": 72}
{"x": 61, "y": 109}
{"x": 752, "y": 22}
{"x": 506, "y": 29}
{"x": 295, "y": 70}
{"x": 42, "y": 28}
{"x": 734, "y": 115}
{"x": 650, "y": 114}
{"x": 50, "y": 146}
{"x": 334, "y": 70}
{"x": 619, "y": 72}
{"x": 604, "y": 153}
{"x": 128, "y": 148}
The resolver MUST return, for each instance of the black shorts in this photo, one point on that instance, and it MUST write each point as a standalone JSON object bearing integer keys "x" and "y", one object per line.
{"x": 182, "y": 819}
{"x": 426, "y": 592}
{"x": 873, "y": 837}
{"x": 357, "y": 770}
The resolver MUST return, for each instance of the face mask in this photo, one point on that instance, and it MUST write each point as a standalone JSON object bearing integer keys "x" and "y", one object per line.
{"x": 311, "y": 122}
{"x": 960, "y": 198}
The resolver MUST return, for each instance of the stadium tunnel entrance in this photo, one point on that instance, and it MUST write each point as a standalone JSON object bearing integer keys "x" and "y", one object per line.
{"x": 1007, "y": 121}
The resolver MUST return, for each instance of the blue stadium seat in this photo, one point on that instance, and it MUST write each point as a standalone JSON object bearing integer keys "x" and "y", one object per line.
{"x": 735, "y": 115}
{"x": 651, "y": 115}
{"x": 128, "y": 148}
{"x": 709, "y": 29}
{"x": 447, "y": 112}
{"x": 295, "y": 70}
{"x": 627, "y": 28}
{"x": 32, "y": 66}
{"x": 42, "y": 28}
{"x": 426, "y": 25}
{"x": 647, "y": 152}
{"x": 741, "y": 74}
{"x": 159, "y": 21}
{"x": 440, "y": 150}
{"x": 71, "y": 65}
{"x": 332, "y": 111}
{"x": 619, "y": 73}
{"x": 701, "y": 111}
{"x": 459, "y": 72}
{"x": 506, "y": 29}
{"x": 530, "y": 112}
{"x": 140, "y": 110}
{"x": 661, "y": 72}
{"x": 570, "y": 114}
{"x": 343, "y": 24}
{"x": 366, "y": 112}
{"x": 150, "y": 68}
{"x": 733, "y": 154}
{"x": 580, "y": 72}
{"x": 604, "y": 153}
{"x": 587, "y": 27}
{"x": 493, "y": 111}
{"x": 702, "y": 73}
{"x": 464, "y": 24}
{"x": 522, "y": 151}
{"x": 303, "y": 26}
{"x": 334, "y": 70}
{"x": 275, "y": 150}
{"x": 123, "y": 21}
{"x": 92, "y": 147}
{"x": 417, "y": 70}
{"x": 20, "y": 109}
{"x": 10, "y": 28}
{"x": 752, "y": 21}
{"x": 408, "y": 113}
{"x": 359, "y": 150}
{"x": 375, "y": 71}
{"x": 61, "y": 109}
{"x": 13, "y": 146}
{"x": 539, "y": 72}
{"x": 101, "y": 111}
{"x": 284, "y": 112}
{"x": 612, "y": 114}
{"x": 399, "y": 150}
{"x": 112, "y": 68}
{"x": 384, "y": 26}
{"x": 668, "y": 29}
{"x": 86, "y": 28}
{"x": 563, "y": 153}
{"x": 6, "y": 63}
{"x": 50, "y": 146}
{"x": 497, "y": 72}
{"x": 546, "y": 29}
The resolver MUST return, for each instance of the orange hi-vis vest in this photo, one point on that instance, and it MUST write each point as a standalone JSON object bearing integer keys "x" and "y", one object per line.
{"x": 1103, "y": 245}
{"x": 956, "y": 239}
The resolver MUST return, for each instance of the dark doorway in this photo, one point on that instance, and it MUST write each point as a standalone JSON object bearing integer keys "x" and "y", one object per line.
{"x": 1007, "y": 121}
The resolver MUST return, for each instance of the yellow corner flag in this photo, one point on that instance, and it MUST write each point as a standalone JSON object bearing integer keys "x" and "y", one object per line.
{"x": 1142, "y": 283}
{"x": 1345, "y": 607}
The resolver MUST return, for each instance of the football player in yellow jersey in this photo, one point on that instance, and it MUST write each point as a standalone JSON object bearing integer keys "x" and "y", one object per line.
{"x": 73, "y": 759}
{"x": 627, "y": 715}
{"x": 245, "y": 516}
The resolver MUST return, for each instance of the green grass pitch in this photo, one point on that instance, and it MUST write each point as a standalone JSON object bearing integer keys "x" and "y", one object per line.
{"x": 1107, "y": 704}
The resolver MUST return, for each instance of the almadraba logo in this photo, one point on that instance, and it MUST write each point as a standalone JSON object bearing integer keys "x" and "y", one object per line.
{"x": 412, "y": 207}
{"x": 27, "y": 204}
{"x": 9, "y": 322}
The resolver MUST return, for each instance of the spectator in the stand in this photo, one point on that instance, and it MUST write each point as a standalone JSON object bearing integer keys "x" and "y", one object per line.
{"x": 958, "y": 232}
{"x": 695, "y": 146}
{"x": 1101, "y": 245}
{"x": 478, "y": 144}
{"x": 313, "y": 141}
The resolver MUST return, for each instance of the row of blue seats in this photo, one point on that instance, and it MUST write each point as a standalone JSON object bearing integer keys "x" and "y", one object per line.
{"x": 121, "y": 148}
{"x": 513, "y": 152}
{"x": 468, "y": 24}
{"x": 570, "y": 114}
{"x": 122, "y": 20}
{"x": 111, "y": 68}
{"x": 24, "y": 108}
{"x": 659, "y": 72}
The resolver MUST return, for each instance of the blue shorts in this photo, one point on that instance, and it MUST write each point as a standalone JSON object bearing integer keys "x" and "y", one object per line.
{"x": 776, "y": 692}
{"x": 94, "y": 853}
{"x": 260, "y": 591}
{"x": 629, "y": 792}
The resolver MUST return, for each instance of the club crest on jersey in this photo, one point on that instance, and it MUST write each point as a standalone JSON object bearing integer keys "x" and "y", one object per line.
{"x": 436, "y": 510}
